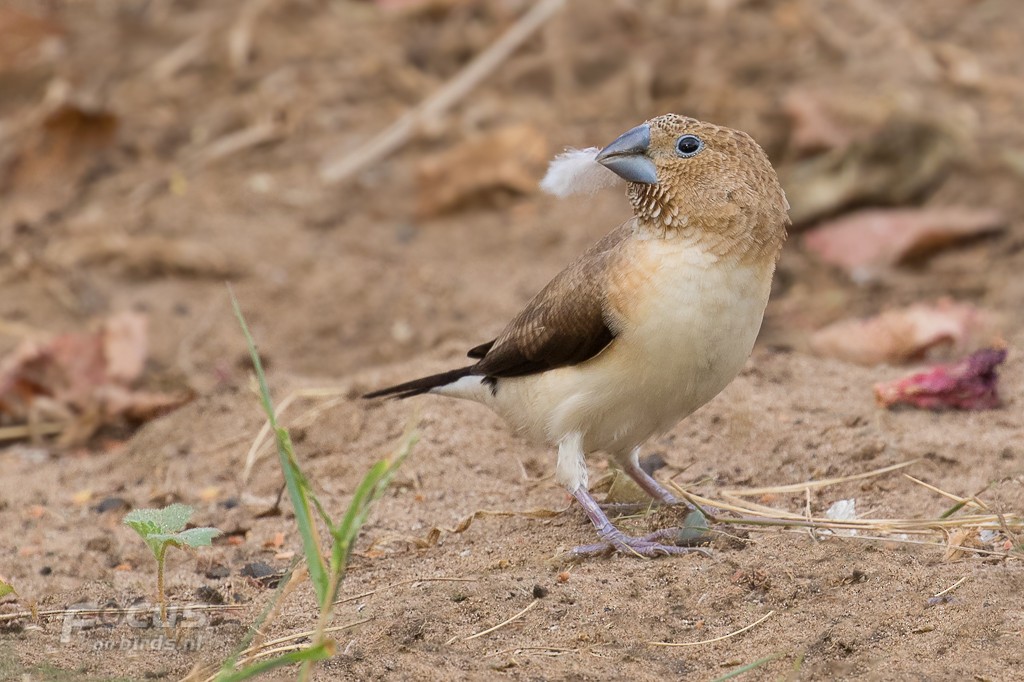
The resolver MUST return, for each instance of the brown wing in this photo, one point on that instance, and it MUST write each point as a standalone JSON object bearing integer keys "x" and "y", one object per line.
{"x": 565, "y": 324}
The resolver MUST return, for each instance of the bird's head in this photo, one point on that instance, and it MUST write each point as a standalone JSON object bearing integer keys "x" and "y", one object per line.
{"x": 687, "y": 175}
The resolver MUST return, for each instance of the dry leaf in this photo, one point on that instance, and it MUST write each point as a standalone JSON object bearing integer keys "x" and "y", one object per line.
{"x": 47, "y": 171}
{"x": 889, "y": 166}
{"x": 866, "y": 241}
{"x": 84, "y": 378}
{"x": 903, "y": 335}
{"x": 25, "y": 38}
{"x": 146, "y": 256}
{"x": 966, "y": 385}
{"x": 508, "y": 159}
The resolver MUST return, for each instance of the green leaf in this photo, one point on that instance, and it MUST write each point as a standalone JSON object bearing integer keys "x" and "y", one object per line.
{"x": 748, "y": 667}
{"x": 295, "y": 482}
{"x": 6, "y": 588}
{"x": 317, "y": 652}
{"x": 162, "y": 528}
{"x": 170, "y": 519}
{"x": 199, "y": 537}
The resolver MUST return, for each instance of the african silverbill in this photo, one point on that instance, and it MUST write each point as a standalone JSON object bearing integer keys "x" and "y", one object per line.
{"x": 649, "y": 324}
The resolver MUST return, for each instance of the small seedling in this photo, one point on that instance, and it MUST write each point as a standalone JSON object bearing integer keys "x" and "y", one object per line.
{"x": 6, "y": 588}
{"x": 163, "y": 528}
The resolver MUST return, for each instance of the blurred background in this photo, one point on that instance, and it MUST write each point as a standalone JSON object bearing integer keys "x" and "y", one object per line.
{"x": 149, "y": 151}
{"x": 364, "y": 173}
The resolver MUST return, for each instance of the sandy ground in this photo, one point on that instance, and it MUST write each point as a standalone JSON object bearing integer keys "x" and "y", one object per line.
{"x": 356, "y": 285}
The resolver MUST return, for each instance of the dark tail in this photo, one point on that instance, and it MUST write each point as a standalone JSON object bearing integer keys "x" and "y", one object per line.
{"x": 421, "y": 386}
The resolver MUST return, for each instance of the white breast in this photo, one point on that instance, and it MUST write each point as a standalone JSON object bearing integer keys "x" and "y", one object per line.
{"x": 687, "y": 333}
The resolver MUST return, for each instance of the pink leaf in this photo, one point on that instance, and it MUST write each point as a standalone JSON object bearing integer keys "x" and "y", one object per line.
{"x": 969, "y": 384}
{"x": 902, "y": 335}
{"x": 866, "y": 241}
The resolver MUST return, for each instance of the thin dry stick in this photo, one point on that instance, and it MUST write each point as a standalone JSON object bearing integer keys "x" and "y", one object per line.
{"x": 412, "y": 581}
{"x": 270, "y": 648}
{"x": 799, "y": 487}
{"x": 555, "y": 651}
{"x": 299, "y": 635}
{"x": 392, "y": 138}
{"x": 264, "y": 433}
{"x": 103, "y": 611}
{"x": 973, "y": 502}
{"x": 952, "y": 587}
{"x": 498, "y": 626}
{"x": 718, "y": 639}
{"x": 20, "y": 431}
{"x": 238, "y": 141}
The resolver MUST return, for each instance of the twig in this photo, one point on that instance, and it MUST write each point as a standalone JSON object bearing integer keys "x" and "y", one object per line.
{"x": 103, "y": 611}
{"x": 555, "y": 650}
{"x": 238, "y": 141}
{"x": 952, "y": 587}
{"x": 19, "y": 431}
{"x": 257, "y": 650}
{"x": 341, "y": 168}
{"x": 498, "y": 626}
{"x": 181, "y": 57}
{"x": 412, "y": 581}
{"x": 799, "y": 487}
{"x": 956, "y": 498}
{"x": 270, "y": 648}
{"x": 241, "y": 33}
{"x": 264, "y": 433}
{"x": 718, "y": 639}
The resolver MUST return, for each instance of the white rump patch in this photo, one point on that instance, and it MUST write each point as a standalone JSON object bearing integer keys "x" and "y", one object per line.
{"x": 576, "y": 172}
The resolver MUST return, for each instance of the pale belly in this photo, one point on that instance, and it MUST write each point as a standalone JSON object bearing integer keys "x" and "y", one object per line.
{"x": 689, "y": 333}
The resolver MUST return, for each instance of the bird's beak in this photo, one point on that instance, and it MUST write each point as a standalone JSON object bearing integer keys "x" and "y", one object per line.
{"x": 627, "y": 156}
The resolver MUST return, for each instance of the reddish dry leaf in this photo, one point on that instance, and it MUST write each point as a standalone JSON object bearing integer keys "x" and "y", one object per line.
{"x": 85, "y": 378}
{"x": 969, "y": 384}
{"x": 53, "y": 160}
{"x": 866, "y": 241}
{"x": 25, "y": 38}
{"x": 903, "y": 335}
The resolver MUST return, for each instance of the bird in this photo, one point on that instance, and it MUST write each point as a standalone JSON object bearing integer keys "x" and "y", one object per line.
{"x": 646, "y": 326}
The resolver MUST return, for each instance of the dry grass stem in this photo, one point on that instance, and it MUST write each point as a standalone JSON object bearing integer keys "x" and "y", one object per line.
{"x": 474, "y": 73}
{"x": 952, "y": 587}
{"x": 263, "y": 441}
{"x": 935, "y": 531}
{"x": 718, "y": 639}
{"x": 500, "y": 625}
{"x": 412, "y": 581}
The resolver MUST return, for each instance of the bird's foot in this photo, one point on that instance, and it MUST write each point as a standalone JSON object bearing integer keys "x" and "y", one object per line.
{"x": 628, "y": 508}
{"x": 648, "y": 546}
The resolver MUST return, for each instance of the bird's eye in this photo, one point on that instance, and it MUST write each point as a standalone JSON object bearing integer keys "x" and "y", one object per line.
{"x": 689, "y": 145}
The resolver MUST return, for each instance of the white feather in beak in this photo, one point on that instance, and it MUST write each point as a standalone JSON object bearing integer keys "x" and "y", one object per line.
{"x": 576, "y": 172}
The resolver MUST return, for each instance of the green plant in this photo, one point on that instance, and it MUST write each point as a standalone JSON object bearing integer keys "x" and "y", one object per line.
{"x": 326, "y": 570}
{"x": 6, "y": 588}
{"x": 164, "y": 528}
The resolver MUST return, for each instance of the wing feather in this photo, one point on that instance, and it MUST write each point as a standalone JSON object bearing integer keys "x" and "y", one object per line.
{"x": 565, "y": 324}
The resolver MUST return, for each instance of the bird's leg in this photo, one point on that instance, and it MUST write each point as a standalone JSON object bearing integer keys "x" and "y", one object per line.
{"x": 631, "y": 467}
{"x": 614, "y": 540}
{"x": 571, "y": 472}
